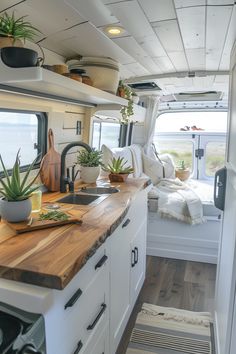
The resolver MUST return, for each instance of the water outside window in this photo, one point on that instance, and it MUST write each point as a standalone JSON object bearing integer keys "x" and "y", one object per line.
{"x": 18, "y": 131}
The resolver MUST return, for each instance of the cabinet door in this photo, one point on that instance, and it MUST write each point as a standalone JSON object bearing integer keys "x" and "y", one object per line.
{"x": 119, "y": 284}
{"x": 138, "y": 262}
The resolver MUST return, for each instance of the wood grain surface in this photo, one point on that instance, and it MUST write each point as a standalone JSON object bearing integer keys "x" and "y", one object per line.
{"x": 50, "y": 169}
{"x": 51, "y": 257}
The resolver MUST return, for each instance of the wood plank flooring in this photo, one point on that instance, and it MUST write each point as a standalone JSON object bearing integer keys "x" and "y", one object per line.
{"x": 174, "y": 283}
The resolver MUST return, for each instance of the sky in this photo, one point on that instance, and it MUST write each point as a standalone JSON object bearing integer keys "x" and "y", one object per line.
{"x": 209, "y": 121}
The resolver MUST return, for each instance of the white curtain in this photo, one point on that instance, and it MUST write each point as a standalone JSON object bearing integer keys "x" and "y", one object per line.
{"x": 150, "y": 121}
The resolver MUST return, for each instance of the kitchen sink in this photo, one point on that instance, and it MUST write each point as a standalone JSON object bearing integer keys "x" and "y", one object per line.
{"x": 99, "y": 190}
{"x": 80, "y": 199}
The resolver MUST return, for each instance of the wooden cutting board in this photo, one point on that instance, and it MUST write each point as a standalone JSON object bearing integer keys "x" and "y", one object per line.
{"x": 26, "y": 226}
{"x": 50, "y": 169}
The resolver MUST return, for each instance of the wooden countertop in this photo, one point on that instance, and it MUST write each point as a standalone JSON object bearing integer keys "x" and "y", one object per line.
{"x": 51, "y": 257}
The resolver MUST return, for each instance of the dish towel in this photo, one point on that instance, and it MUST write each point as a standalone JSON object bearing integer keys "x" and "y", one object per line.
{"x": 176, "y": 200}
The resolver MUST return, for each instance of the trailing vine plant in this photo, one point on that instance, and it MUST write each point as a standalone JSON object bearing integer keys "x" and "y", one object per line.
{"x": 126, "y": 111}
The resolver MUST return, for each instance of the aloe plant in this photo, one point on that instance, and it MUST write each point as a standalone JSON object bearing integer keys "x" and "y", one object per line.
{"x": 118, "y": 166}
{"x": 13, "y": 189}
{"x": 181, "y": 165}
{"x": 16, "y": 28}
{"x": 89, "y": 158}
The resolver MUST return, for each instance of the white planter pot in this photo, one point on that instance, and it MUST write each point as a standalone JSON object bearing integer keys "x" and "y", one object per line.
{"x": 15, "y": 211}
{"x": 89, "y": 174}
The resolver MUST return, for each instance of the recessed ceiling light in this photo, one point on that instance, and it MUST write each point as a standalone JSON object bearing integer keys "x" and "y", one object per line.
{"x": 114, "y": 30}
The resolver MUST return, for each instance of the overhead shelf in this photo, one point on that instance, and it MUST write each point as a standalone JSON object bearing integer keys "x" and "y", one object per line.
{"x": 45, "y": 82}
{"x": 112, "y": 111}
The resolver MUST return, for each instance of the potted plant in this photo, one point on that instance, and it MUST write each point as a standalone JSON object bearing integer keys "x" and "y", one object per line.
{"x": 126, "y": 111}
{"x": 182, "y": 172}
{"x": 15, "y": 204}
{"x": 118, "y": 170}
{"x": 90, "y": 162}
{"x": 13, "y": 33}
{"x": 15, "y": 30}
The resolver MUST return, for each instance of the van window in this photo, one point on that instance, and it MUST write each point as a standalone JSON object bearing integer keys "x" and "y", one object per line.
{"x": 105, "y": 133}
{"x": 25, "y": 131}
{"x": 198, "y": 138}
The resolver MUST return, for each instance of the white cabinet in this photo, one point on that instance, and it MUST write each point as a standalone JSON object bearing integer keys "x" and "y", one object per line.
{"x": 138, "y": 262}
{"x": 127, "y": 252}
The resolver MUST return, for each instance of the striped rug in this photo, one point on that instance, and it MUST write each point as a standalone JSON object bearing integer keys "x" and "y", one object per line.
{"x": 164, "y": 330}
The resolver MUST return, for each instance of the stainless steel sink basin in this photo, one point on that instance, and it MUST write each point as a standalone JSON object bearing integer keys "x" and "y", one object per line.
{"x": 99, "y": 190}
{"x": 80, "y": 199}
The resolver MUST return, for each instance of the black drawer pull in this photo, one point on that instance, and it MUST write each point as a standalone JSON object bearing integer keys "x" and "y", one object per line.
{"x": 79, "y": 347}
{"x": 126, "y": 223}
{"x": 103, "y": 308}
{"x": 101, "y": 262}
{"x": 135, "y": 255}
{"x": 133, "y": 258}
{"x": 73, "y": 299}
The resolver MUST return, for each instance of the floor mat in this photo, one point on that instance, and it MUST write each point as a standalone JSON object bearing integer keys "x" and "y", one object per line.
{"x": 164, "y": 330}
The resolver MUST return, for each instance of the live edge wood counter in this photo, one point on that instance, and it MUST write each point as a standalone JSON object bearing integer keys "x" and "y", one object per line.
{"x": 51, "y": 257}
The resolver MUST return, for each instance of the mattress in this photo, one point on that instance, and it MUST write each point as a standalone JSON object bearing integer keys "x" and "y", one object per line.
{"x": 205, "y": 191}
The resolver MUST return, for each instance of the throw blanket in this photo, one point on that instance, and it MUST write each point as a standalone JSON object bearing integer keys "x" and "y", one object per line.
{"x": 177, "y": 200}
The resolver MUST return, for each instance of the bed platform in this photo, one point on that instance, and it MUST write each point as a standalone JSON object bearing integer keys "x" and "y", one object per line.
{"x": 174, "y": 239}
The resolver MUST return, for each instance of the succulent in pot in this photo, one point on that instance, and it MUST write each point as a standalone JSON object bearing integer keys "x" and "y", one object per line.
{"x": 182, "y": 171}
{"x": 118, "y": 170}
{"x": 15, "y": 205}
{"x": 90, "y": 162}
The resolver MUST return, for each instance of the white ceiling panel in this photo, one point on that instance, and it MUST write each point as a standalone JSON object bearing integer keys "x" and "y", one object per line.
{"x": 192, "y": 26}
{"x": 169, "y": 35}
{"x": 137, "y": 24}
{"x": 203, "y": 83}
{"x": 196, "y": 59}
{"x": 6, "y": 4}
{"x": 187, "y": 3}
{"x": 125, "y": 73}
{"x": 215, "y": 34}
{"x": 220, "y": 2}
{"x": 130, "y": 46}
{"x": 179, "y": 61}
{"x": 153, "y": 47}
{"x": 164, "y": 64}
{"x": 137, "y": 69}
{"x": 55, "y": 15}
{"x": 93, "y": 10}
{"x": 231, "y": 35}
{"x": 58, "y": 46}
{"x": 111, "y": 1}
{"x": 158, "y": 10}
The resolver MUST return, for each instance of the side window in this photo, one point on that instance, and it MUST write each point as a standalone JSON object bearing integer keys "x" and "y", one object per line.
{"x": 215, "y": 157}
{"x": 105, "y": 133}
{"x": 25, "y": 131}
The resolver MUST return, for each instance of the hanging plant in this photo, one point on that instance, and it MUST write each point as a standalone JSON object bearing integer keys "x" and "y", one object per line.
{"x": 126, "y": 111}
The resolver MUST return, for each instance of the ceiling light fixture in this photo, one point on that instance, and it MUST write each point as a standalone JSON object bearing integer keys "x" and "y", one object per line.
{"x": 114, "y": 30}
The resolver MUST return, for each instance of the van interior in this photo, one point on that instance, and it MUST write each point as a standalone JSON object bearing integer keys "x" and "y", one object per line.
{"x": 117, "y": 176}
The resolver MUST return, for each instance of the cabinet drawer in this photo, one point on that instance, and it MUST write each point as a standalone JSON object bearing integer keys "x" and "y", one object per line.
{"x": 89, "y": 315}
{"x": 99, "y": 344}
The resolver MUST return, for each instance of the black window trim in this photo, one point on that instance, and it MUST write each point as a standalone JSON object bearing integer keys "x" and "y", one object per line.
{"x": 42, "y": 134}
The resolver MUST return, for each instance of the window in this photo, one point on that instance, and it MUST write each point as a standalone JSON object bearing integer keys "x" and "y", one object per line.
{"x": 25, "y": 131}
{"x": 198, "y": 138}
{"x": 105, "y": 133}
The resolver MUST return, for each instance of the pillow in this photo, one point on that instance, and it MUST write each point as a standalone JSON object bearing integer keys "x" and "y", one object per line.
{"x": 107, "y": 156}
{"x": 136, "y": 151}
{"x": 154, "y": 168}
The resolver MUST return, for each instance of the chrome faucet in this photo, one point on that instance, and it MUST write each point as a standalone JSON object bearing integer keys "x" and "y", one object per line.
{"x": 66, "y": 180}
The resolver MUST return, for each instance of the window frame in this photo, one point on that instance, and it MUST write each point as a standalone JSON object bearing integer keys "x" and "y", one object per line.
{"x": 41, "y": 138}
{"x": 100, "y": 121}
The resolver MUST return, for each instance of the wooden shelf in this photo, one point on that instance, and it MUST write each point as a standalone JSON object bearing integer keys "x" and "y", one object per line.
{"x": 43, "y": 81}
{"x": 113, "y": 111}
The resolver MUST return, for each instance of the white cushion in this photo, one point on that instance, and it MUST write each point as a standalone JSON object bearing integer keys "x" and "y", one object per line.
{"x": 136, "y": 151}
{"x": 154, "y": 168}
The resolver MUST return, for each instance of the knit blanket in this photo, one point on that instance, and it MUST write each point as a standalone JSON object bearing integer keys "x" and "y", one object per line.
{"x": 176, "y": 200}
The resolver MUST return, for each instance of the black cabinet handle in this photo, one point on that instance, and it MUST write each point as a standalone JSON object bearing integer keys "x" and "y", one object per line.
{"x": 126, "y": 223}
{"x": 93, "y": 324}
{"x": 101, "y": 262}
{"x": 133, "y": 258}
{"x": 135, "y": 255}
{"x": 73, "y": 299}
{"x": 79, "y": 347}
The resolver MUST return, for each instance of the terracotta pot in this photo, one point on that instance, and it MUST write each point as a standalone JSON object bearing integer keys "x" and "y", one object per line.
{"x": 183, "y": 175}
{"x": 118, "y": 177}
{"x": 9, "y": 42}
{"x": 15, "y": 211}
{"x": 73, "y": 76}
{"x": 60, "y": 68}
